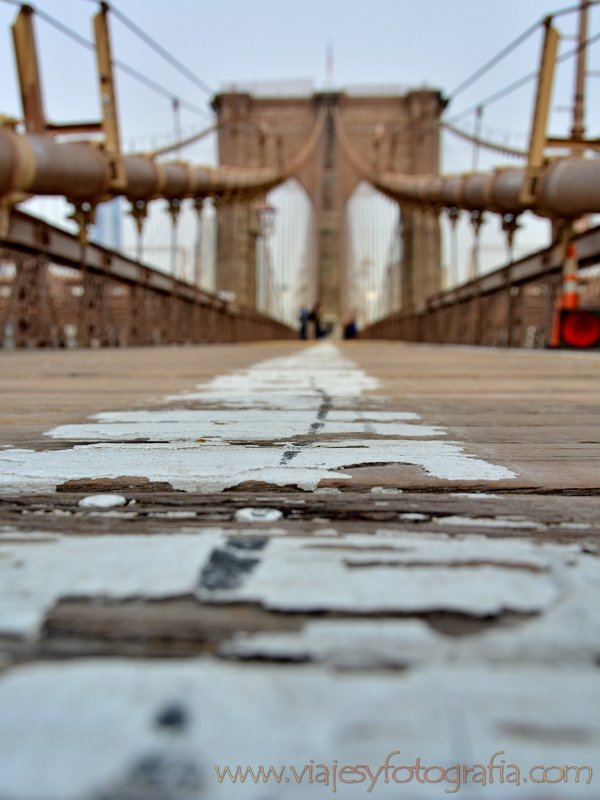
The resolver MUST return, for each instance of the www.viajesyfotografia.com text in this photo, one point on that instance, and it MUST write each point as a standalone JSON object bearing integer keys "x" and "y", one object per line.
{"x": 332, "y": 775}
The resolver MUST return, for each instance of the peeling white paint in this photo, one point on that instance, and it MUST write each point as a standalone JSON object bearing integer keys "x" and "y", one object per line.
{"x": 194, "y": 416}
{"x": 208, "y": 466}
{"x": 476, "y": 495}
{"x": 173, "y": 514}
{"x": 353, "y": 573}
{"x": 402, "y": 573}
{"x": 318, "y": 369}
{"x": 77, "y": 730}
{"x": 230, "y": 426}
{"x": 310, "y": 394}
{"x": 489, "y": 522}
{"x": 481, "y": 590}
{"x": 566, "y": 633}
{"x": 34, "y": 576}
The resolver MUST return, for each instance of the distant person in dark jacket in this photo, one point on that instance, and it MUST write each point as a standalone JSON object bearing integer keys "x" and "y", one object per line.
{"x": 304, "y": 316}
{"x": 350, "y": 330}
{"x": 315, "y": 317}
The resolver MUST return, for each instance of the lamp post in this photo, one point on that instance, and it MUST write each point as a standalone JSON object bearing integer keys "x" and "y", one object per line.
{"x": 266, "y": 225}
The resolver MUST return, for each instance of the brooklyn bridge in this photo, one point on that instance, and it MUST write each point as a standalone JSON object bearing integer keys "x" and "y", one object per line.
{"x": 299, "y": 467}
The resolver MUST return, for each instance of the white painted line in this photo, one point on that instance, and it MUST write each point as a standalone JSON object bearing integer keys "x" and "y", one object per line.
{"x": 202, "y": 449}
{"x": 214, "y": 467}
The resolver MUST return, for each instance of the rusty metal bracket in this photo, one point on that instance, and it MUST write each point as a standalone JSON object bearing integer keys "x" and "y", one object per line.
{"x": 84, "y": 215}
{"x": 110, "y": 122}
{"x": 28, "y": 71}
{"x": 537, "y": 139}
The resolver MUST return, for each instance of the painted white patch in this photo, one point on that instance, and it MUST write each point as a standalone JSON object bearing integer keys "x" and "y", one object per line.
{"x": 477, "y": 495}
{"x": 230, "y": 426}
{"x": 319, "y": 369}
{"x": 489, "y": 522}
{"x": 581, "y": 526}
{"x": 394, "y": 571}
{"x": 311, "y": 393}
{"x": 102, "y": 501}
{"x": 34, "y": 576}
{"x": 194, "y": 416}
{"x": 77, "y": 730}
{"x": 214, "y": 467}
{"x": 402, "y": 574}
{"x": 565, "y": 633}
{"x": 173, "y": 514}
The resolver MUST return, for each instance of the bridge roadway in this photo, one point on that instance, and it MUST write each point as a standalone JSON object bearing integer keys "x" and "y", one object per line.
{"x": 314, "y": 555}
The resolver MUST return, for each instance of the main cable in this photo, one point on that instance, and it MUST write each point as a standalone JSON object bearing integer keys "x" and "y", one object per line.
{"x": 431, "y": 125}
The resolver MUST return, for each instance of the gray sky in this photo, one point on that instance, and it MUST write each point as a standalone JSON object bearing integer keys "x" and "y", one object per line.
{"x": 410, "y": 43}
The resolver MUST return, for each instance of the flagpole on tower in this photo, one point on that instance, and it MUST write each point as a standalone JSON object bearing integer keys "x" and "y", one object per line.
{"x": 329, "y": 66}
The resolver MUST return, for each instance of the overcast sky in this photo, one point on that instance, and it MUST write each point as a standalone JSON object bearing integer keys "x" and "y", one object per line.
{"x": 406, "y": 42}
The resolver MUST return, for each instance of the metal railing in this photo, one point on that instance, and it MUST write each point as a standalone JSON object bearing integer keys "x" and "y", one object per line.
{"x": 510, "y": 307}
{"x": 56, "y": 292}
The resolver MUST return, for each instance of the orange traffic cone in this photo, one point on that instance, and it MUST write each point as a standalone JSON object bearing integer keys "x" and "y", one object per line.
{"x": 568, "y": 297}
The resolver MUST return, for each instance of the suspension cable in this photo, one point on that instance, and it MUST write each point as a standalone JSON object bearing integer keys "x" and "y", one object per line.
{"x": 512, "y": 46}
{"x": 500, "y": 148}
{"x": 522, "y": 81}
{"x": 181, "y": 143}
{"x": 495, "y": 60}
{"x": 159, "y": 49}
{"x": 133, "y": 73}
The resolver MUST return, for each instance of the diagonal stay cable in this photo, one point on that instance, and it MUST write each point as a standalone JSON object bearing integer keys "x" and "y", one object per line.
{"x": 512, "y": 46}
{"x": 521, "y": 82}
{"x": 493, "y": 61}
{"x": 121, "y": 65}
{"x": 158, "y": 88}
{"x": 159, "y": 49}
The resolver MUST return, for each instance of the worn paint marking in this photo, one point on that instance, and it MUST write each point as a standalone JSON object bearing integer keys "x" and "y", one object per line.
{"x": 89, "y": 729}
{"x": 285, "y": 573}
{"x": 214, "y": 449}
{"x": 34, "y": 576}
{"x": 295, "y": 574}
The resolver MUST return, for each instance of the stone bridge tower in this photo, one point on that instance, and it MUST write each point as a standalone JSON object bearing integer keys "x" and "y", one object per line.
{"x": 387, "y": 133}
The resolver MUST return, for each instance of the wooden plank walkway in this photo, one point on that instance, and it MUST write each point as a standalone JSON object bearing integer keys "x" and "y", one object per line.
{"x": 299, "y": 555}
